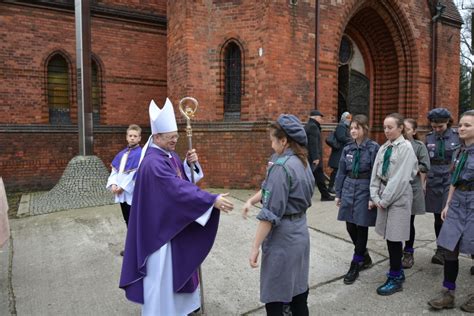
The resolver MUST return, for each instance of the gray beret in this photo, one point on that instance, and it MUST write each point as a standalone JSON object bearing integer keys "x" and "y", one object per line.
{"x": 439, "y": 113}
{"x": 293, "y": 128}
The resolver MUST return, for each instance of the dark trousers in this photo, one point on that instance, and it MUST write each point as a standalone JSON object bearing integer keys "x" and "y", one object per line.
{"x": 125, "y": 211}
{"x": 395, "y": 254}
{"x": 298, "y": 306}
{"x": 438, "y": 223}
{"x": 320, "y": 179}
{"x": 410, "y": 242}
{"x": 359, "y": 236}
{"x": 332, "y": 178}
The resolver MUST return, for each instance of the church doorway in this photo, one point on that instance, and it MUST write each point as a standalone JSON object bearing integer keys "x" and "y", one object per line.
{"x": 353, "y": 82}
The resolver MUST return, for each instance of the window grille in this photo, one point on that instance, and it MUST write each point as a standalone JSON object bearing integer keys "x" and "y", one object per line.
{"x": 58, "y": 91}
{"x": 233, "y": 82}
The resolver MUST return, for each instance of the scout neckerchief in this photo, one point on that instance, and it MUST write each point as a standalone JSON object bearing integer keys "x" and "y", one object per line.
{"x": 386, "y": 160}
{"x": 355, "y": 163}
{"x": 459, "y": 167}
{"x": 440, "y": 146}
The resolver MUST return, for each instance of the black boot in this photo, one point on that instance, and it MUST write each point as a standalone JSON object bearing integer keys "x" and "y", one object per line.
{"x": 438, "y": 257}
{"x": 352, "y": 274}
{"x": 367, "y": 263}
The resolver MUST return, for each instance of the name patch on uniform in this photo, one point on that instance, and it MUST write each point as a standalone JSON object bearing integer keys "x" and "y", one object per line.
{"x": 265, "y": 196}
{"x": 349, "y": 157}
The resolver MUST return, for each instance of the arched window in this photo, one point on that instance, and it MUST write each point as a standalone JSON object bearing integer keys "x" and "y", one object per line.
{"x": 233, "y": 81}
{"x": 96, "y": 92}
{"x": 353, "y": 83}
{"x": 58, "y": 91}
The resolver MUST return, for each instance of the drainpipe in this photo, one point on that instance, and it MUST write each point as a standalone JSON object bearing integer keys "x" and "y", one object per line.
{"x": 316, "y": 57}
{"x": 434, "y": 51}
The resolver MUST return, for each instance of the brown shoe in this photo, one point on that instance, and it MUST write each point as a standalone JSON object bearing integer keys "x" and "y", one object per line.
{"x": 468, "y": 306}
{"x": 408, "y": 261}
{"x": 438, "y": 258}
{"x": 445, "y": 300}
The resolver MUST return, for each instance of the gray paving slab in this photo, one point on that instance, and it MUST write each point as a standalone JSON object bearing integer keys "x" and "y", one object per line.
{"x": 68, "y": 263}
{"x": 24, "y": 206}
{"x": 423, "y": 282}
{"x": 4, "y": 282}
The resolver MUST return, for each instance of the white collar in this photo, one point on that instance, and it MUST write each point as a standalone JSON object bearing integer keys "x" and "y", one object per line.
{"x": 158, "y": 147}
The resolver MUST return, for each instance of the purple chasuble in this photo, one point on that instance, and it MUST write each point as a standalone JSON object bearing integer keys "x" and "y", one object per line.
{"x": 132, "y": 160}
{"x": 164, "y": 209}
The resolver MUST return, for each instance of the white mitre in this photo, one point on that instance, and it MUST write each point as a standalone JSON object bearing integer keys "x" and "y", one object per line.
{"x": 161, "y": 121}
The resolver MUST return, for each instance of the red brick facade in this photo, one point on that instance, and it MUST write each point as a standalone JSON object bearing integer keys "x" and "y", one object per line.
{"x": 150, "y": 49}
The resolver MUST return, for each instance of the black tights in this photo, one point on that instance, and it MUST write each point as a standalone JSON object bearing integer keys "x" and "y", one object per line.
{"x": 395, "y": 254}
{"x": 451, "y": 264}
{"x": 437, "y": 224}
{"x": 410, "y": 242}
{"x": 299, "y": 306}
{"x": 359, "y": 236}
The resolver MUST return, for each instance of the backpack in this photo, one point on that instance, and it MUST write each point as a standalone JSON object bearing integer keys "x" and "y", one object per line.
{"x": 332, "y": 141}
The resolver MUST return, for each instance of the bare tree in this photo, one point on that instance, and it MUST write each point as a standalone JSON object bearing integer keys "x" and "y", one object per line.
{"x": 466, "y": 89}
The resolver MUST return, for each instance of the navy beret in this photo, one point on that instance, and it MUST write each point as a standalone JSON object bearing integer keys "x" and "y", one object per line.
{"x": 439, "y": 113}
{"x": 315, "y": 113}
{"x": 293, "y": 128}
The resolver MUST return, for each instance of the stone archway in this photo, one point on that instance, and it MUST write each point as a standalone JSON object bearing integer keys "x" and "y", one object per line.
{"x": 379, "y": 31}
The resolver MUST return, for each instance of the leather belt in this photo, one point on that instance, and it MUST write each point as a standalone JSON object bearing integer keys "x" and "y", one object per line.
{"x": 440, "y": 162}
{"x": 361, "y": 175}
{"x": 465, "y": 187}
{"x": 292, "y": 217}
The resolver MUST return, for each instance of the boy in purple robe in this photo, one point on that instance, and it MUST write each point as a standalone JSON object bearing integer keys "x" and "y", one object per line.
{"x": 172, "y": 224}
{"x": 124, "y": 166}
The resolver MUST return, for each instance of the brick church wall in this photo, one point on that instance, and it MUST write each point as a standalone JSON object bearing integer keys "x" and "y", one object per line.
{"x": 132, "y": 58}
{"x": 279, "y": 80}
{"x": 141, "y": 61}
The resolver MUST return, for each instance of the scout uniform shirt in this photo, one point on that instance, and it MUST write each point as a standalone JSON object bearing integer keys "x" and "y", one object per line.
{"x": 393, "y": 190}
{"x": 286, "y": 195}
{"x": 352, "y": 182}
{"x": 440, "y": 149}
{"x": 458, "y": 226}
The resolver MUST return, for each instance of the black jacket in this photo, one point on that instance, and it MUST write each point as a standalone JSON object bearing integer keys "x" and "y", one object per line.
{"x": 343, "y": 136}
{"x": 315, "y": 146}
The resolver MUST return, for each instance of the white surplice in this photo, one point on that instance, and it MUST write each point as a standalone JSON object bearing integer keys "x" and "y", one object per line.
{"x": 123, "y": 180}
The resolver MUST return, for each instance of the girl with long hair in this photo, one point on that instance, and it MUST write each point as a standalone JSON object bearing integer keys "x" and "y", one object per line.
{"x": 353, "y": 194}
{"x": 282, "y": 232}
{"x": 418, "y": 205}
{"x": 457, "y": 232}
{"x": 395, "y": 166}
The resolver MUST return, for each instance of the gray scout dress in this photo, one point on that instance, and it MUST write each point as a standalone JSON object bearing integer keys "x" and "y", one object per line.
{"x": 393, "y": 191}
{"x": 353, "y": 188}
{"x": 459, "y": 224}
{"x": 286, "y": 195}
{"x": 438, "y": 177}
{"x": 421, "y": 153}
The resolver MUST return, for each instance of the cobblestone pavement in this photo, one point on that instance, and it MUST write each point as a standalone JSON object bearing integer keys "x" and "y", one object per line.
{"x": 81, "y": 185}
